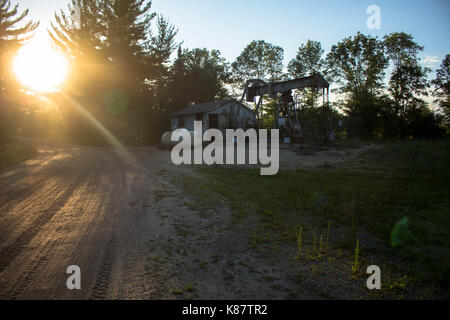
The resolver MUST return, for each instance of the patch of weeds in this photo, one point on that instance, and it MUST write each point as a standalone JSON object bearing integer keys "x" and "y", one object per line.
{"x": 159, "y": 195}
{"x": 370, "y": 202}
{"x": 216, "y": 258}
{"x": 177, "y": 291}
{"x": 190, "y": 288}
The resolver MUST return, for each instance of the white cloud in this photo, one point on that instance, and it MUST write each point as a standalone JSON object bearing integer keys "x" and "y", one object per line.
{"x": 431, "y": 60}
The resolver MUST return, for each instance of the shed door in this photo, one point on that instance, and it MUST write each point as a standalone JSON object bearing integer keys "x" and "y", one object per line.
{"x": 213, "y": 121}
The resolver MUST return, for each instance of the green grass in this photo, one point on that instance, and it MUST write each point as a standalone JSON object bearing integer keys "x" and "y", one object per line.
{"x": 14, "y": 152}
{"x": 354, "y": 202}
{"x": 422, "y": 156}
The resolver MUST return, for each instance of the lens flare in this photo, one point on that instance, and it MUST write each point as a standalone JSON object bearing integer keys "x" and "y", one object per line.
{"x": 39, "y": 67}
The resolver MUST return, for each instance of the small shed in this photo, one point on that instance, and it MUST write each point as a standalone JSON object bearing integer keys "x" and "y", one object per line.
{"x": 224, "y": 114}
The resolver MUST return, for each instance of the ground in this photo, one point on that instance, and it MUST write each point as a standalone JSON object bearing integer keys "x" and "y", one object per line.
{"x": 140, "y": 227}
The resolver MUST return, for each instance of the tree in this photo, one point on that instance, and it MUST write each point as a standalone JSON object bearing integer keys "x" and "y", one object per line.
{"x": 199, "y": 76}
{"x": 81, "y": 38}
{"x": 259, "y": 60}
{"x": 442, "y": 88}
{"x": 128, "y": 42}
{"x": 83, "y": 44}
{"x": 358, "y": 65}
{"x": 408, "y": 78}
{"x": 12, "y": 38}
{"x": 120, "y": 68}
{"x": 160, "y": 48}
{"x": 308, "y": 61}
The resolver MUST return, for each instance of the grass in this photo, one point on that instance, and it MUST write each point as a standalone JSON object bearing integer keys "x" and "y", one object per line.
{"x": 14, "y": 152}
{"x": 355, "y": 202}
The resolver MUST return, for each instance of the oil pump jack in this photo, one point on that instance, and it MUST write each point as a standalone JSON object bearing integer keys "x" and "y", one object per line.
{"x": 287, "y": 113}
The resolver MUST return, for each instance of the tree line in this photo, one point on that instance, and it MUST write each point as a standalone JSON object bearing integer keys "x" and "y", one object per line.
{"x": 123, "y": 75}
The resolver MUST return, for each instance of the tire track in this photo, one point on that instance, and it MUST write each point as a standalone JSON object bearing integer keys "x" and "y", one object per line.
{"x": 9, "y": 253}
{"x": 100, "y": 288}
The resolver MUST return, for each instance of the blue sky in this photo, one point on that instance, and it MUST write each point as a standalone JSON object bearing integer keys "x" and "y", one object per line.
{"x": 230, "y": 25}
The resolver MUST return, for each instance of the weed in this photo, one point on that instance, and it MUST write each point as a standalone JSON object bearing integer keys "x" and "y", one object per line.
{"x": 177, "y": 291}
{"x": 190, "y": 288}
{"x": 300, "y": 239}
{"x": 355, "y": 264}
{"x": 321, "y": 244}
{"x": 328, "y": 235}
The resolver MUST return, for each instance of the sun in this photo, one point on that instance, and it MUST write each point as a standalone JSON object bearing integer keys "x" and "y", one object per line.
{"x": 40, "y": 67}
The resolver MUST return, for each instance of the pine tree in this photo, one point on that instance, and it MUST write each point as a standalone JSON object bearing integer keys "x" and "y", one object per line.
{"x": 119, "y": 66}
{"x": 128, "y": 40}
{"x": 80, "y": 37}
{"x": 11, "y": 36}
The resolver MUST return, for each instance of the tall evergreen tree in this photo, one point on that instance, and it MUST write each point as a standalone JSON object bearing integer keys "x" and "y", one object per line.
{"x": 12, "y": 37}
{"x": 81, "y": 38}
{"x": 119, "y": 65}
{"x": 128, "y": 37}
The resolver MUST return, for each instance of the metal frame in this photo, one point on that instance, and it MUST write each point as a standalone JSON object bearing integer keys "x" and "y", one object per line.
{"x": 258, "y": 88}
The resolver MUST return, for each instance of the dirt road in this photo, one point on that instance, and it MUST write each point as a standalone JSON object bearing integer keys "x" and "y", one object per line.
{"x": 132, "y": 232}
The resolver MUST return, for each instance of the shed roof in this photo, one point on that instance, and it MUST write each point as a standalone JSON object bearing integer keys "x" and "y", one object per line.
{"x": 205, "y": 107}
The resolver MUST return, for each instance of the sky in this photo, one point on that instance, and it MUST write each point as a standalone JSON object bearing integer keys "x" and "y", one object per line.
{"x": 230, "y": 25}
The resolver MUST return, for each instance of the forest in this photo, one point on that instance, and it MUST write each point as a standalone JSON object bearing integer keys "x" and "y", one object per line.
{"x": 128, "y": 72}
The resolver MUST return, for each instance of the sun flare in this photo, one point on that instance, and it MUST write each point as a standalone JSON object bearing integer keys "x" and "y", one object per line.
{"x": 40, "y": 67}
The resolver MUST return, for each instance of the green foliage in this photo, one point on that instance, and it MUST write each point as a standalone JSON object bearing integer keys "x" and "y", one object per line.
{"x": 358, "y": 65}
{"x": 199, "y": 75}
{"x": 308, "y": 61}
{"x": 408, "y": 77}
{"x": 259, "y": 60}
{"x": 356, "y": 263}
{"x": 123, "y": 77}
{"x": 442, "y": 88}
{"x": 300, "y": 239}
{"x": 120, "y": 68}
